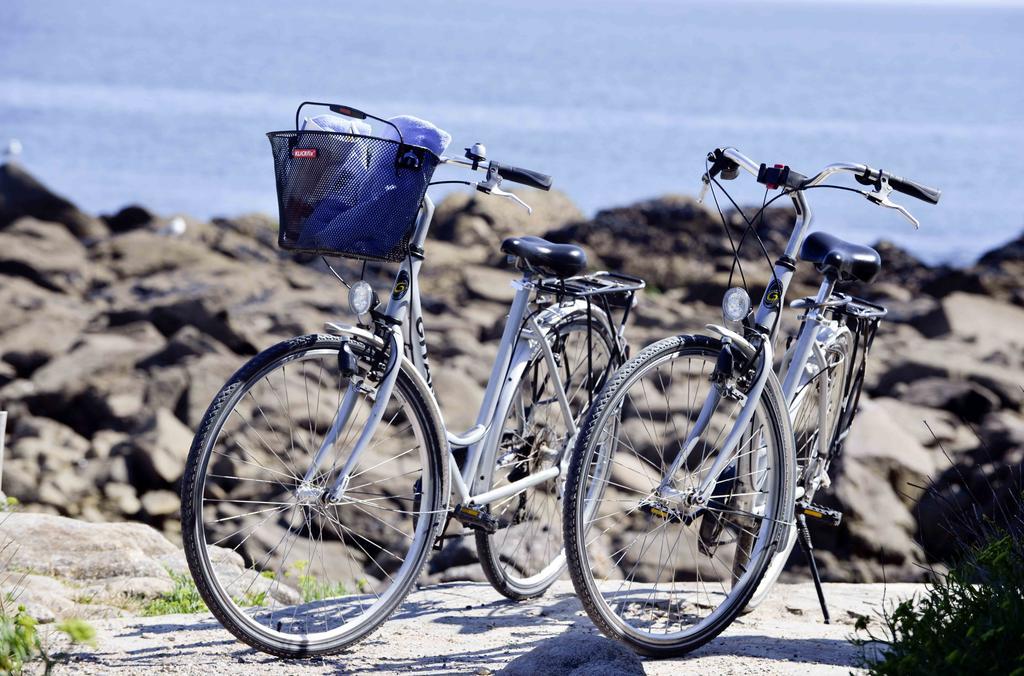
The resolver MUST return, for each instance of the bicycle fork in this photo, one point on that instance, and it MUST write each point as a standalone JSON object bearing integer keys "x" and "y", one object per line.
{"x": 307, "y": 489}
{"x": 696, "y": 499}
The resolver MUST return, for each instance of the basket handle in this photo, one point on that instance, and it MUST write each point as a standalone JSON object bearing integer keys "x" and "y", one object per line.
{"x": 347, "y": 111}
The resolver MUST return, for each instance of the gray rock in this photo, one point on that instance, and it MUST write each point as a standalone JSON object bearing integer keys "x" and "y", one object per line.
{"x": 459, "y": 397}
{"x": 123, "y": 498}
{"x": 205, "y": 376}
{"x": 886, "y": 445}
{"x": 75, "y": 550}
{"x": 969, "y": 401}
{"x": 22, "y": 195}
{"x": 489, "y": 283}
{"x": 131, "y": 217}
{"x": 469, "y": 219}
{"x": 160, "y": 504}
{"x": 985, "y": 320}
{"x": 99, "y": 354}
{"x": 47, "y": 255}
{"x": 864, "y": 497}
{"x": 572, "y": 654}
{"x": 159, "y": 452}
{"x": 140, "y": 253}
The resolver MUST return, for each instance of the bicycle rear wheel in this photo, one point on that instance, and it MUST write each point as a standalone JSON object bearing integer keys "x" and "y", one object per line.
{"x": 526, "y": 554}
{"x": 814, "y": 443}
{"x": 648, "y": 575}
{"x": 282, "y": 567}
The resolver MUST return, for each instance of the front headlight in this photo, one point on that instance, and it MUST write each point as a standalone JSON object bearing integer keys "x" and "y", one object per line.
{"x": 735, "y": 305}
{"x": 361, "y": 298}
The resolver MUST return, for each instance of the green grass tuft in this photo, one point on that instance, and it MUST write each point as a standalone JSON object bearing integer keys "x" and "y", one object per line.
{"x": 183, "y": 599}
{"x": 252, "y": 599}
{"x": 313, "y": 589}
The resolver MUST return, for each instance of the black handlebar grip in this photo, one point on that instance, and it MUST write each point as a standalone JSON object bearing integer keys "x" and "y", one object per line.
{"x": 534, "y": 179}
{"x": 921, "y": 192}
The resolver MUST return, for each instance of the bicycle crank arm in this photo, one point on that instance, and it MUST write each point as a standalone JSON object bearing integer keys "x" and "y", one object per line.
{"x": 384, "y": 389}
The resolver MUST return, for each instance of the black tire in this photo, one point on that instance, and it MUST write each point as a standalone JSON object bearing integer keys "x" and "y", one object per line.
{"x": 423, "y": 517}
{"x": 592, "y": 448}
{"x": 526, "y": 555}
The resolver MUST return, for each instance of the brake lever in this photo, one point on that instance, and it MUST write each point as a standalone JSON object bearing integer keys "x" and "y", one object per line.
{"x": 498, "y": 192}
{"x": 881, "y": 197}
{"x": 492, "y": 186}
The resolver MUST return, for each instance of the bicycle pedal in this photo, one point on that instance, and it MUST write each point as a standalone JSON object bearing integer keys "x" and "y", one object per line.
{"x": 830, "y": 517}
{"x": 660, "y": 512}
{"x": 475, "y": 518}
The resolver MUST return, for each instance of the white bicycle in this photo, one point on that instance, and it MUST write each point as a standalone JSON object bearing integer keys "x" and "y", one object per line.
{"x": 696, "y": 468}
{"x": 321, "y": 475}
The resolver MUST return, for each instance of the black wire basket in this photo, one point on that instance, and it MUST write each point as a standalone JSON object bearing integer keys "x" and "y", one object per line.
{"x": 348, "y": 195}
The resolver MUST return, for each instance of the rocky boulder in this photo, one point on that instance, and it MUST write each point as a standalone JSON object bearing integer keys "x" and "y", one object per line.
{"x": 472, "y": 220}
{"x": 576, "y": 655}
{"x": 22, "y": 195}
{"x": 61, "y": 568}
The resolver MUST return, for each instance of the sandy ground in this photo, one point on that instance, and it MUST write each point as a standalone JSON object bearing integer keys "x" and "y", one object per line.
{"x": 464, "y": 628}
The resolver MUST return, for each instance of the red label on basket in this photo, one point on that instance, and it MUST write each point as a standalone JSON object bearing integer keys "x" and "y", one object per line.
{"x": 303, "y": 153}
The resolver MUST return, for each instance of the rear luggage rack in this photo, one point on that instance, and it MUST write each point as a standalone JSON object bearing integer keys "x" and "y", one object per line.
{"x": 618, "y": 288}
{"x": 606, "y": 290}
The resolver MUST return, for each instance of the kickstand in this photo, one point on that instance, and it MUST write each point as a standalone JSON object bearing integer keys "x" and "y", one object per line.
{"x": 805, "y": 544}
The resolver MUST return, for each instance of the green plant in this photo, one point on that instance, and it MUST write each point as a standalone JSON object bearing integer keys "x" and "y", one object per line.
{"x": 970, "y": 620}
{"x": 78, "y": 630}
{"x": 314, "y": 590}
{"x": 252, "y": 599}
{"x": 20, "y": 642}
{"x": 183, "y": 599}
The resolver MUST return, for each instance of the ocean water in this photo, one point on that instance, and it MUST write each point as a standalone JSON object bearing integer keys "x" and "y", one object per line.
{"x": 166, "y": 104}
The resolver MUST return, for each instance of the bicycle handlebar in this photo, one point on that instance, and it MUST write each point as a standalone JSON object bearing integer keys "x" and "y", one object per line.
{"x": 864, "y": 175}
{"x": 528, "y": 177}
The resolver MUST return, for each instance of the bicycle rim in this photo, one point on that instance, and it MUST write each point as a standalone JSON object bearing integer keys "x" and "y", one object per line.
{"x": 661, "y": 583}
{"x": 526, "y": 555}
{"x": 282, "y": 567}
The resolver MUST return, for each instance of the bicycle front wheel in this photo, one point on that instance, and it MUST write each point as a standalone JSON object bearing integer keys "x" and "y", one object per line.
{"x": 526, "y": 555}
{"x": 648, "y": 574}
{"x": 284, "y": 568}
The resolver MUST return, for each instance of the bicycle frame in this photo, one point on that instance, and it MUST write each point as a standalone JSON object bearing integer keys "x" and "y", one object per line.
{"x": 766, "y": 323}
{"x": 406, "y": 342}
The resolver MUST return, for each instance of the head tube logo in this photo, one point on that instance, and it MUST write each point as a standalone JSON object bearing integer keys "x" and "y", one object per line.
{"x": 304, "y": 153}
{"x": 773, "y": 295}
{"x": 401, "y": 285}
